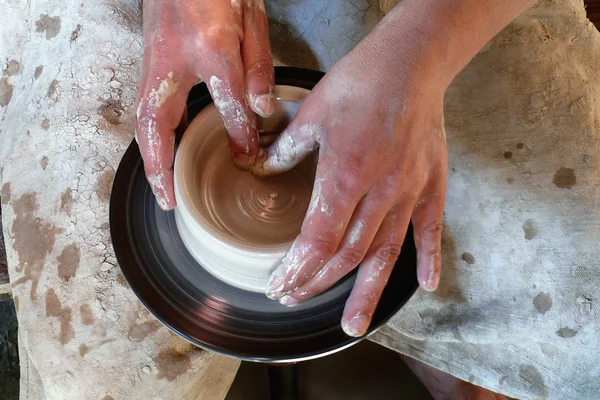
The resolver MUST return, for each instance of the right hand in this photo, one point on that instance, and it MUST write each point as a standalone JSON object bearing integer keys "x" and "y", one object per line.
{"x": 224, "y": 43}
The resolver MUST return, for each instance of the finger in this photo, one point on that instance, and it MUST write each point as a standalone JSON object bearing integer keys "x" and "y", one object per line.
{"x": 361, "y": 231}
{"x": 334, "y": 198}
{"x": 374, "y": 272}
{"x": 159, "y": 112}
{"x": 427, "y": 226}
{"x": 297, "y": 141}
{"x": 226, "y": 83}
{"x": 258, "y": 63}
{"x": 183, "y": 123}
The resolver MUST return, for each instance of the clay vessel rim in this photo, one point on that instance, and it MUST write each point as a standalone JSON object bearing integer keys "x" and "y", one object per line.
{"x": 193, "y": 217}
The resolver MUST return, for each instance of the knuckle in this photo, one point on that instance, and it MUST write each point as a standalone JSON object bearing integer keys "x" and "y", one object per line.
{"x": 391, "y": 183}
{"x": 262, "y": 66}
{"x": 390, "y": 187}
{"x": 433, "y": 228}
{"x": 353, "y": 161}
{"x": 351, "y": 256}
{"x": 324, "y": 248}
{"x": 218, "y": 36}
{"x": 350, "y": 180}
{"x": 388, "y": 253}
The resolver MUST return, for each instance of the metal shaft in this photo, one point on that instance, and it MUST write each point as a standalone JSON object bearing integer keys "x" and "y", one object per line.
{"x": 283, "y": 382}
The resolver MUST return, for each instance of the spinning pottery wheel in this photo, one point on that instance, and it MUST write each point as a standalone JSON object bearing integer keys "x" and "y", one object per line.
{"x": 187, "y": 296}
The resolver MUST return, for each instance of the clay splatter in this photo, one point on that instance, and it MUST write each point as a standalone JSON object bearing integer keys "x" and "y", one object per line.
{"x": 49, "y": 25}
{"x": 33, "y": 240}
{"x": 139, "y": 332}
{"x": 6, "y": 92}
{"x": 52, "y": 90}
{"x": 45, "y": 124}
{"x": 75, "y": 33}
{"x": 44, "y": 162}
{"x": 564, "y": 178}
{"x": 13, "y": 67}
{"x": 532, "y": 376}
{"x": 520, "y": 146}
{"x": 38, "y": 71}
{"x": 530, "y": 229}
{"x": 111, "y": 111}
{"x": 87, "y": 314}
{"x": 508, "y": 155}
{"x": 566, "y": 332}
{"x": 171, "y": 363}
{"x": 54, "y": 309}
{"x": 68, "y": 262}
{"x": 5, "y": 194}
{"x": 104, "y": 184}
{"x": 66, "y": 201}
{"x": 542, "y": 302}
{"x": 83, "y": 349}
{"x": 468, "y": 258}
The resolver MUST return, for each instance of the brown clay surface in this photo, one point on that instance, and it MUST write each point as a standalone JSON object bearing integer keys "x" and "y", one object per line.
{"x": 257, "y": 211}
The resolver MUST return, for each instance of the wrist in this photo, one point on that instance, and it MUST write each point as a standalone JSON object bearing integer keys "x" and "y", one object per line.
{"x": 435, "y": 39}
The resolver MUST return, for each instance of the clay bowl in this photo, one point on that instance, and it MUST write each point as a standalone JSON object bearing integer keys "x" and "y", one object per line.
{"x": 237, "y": 225}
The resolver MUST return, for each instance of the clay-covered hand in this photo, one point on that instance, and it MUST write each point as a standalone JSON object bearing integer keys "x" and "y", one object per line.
{"x": 223, "y": 43}
{"x": 382, "y": 163}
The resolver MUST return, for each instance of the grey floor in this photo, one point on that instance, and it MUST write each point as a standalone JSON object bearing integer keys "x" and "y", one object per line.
{"x": 363, "y": 372}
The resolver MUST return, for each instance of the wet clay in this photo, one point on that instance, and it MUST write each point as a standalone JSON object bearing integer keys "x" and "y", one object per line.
{"x": 249, "y": 209}
{"x": 234, "y": 223}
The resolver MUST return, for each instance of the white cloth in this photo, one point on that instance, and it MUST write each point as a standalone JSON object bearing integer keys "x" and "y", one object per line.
{"x": 517, "y": 306}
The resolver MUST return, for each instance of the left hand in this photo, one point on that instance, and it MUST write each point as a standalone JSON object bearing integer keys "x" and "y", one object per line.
{"x": 382, "y": 163}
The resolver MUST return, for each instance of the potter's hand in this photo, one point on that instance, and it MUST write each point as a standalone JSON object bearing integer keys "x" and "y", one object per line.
{"x": 382, "y": 162}
{"x": 224, "y": 43}
{"x": 377, "y": 118}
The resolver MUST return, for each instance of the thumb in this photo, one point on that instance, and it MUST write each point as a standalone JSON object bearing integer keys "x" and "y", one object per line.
{"x": 296, "y": 142}
{"x": 160, "y": 107}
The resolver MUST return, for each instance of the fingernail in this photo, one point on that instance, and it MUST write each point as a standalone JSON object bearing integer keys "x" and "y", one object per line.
{"x": 432, "y": 284}
{"x": 288, "y": 301}
{"x": 162, "y": 203}
{"x": 275, "y": 285}
{"x": 264, "y": 104}
{"x": 243, "y": 160}
{"x": 357, "y": 326}
{"x": 275, "y": 290}
{"x": 157, "y": 184}
{"x": 277, "y": 279}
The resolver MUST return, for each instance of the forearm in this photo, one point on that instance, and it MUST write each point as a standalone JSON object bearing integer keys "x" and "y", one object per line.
{"x": 438, "y": 38}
